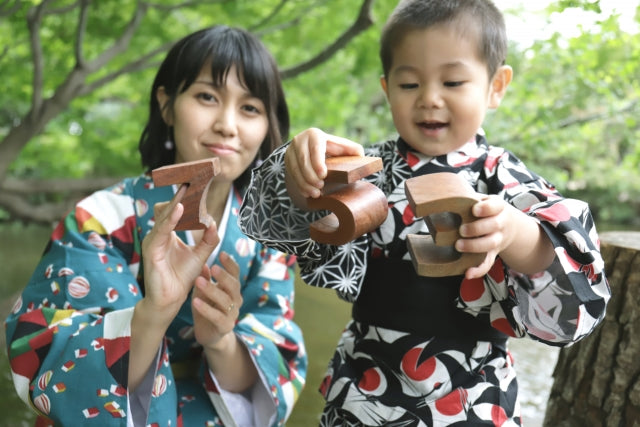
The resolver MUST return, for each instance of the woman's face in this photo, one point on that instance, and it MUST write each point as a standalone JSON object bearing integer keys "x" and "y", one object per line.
{"x": 226, "y": 122}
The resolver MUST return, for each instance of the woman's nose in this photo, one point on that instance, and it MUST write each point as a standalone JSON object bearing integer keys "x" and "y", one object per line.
{"x": 225, "y": 122}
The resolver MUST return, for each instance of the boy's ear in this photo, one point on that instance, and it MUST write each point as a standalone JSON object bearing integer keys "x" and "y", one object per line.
{"x": 383, "y": 83}
{"x": 499, "y": 85}
{"x": 163, "y": 102}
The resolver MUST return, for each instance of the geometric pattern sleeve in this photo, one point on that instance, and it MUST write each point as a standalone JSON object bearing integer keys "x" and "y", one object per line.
{"x": 562, "y": 304}
{"x": 268, "y": 216}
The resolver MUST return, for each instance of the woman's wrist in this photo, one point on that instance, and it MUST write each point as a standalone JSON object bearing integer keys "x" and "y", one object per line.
{"x": 149, "y": 317}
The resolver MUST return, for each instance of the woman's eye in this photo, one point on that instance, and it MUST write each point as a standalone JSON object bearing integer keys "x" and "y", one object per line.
{"x": 207, "y": 96}
{"x": 453, "y": 83}
{"x": 251, "y": 109}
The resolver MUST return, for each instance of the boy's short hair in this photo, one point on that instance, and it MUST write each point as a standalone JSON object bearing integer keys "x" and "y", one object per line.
{"x": 484, "y": 16}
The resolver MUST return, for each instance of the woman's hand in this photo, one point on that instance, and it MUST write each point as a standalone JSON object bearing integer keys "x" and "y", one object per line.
{"x": 171, "y": 266}
{"x": 305, "y": 160}
{"x": 170, "y": 269}
{"x": 503, "y": 230}
{"x": 216, "y": 302}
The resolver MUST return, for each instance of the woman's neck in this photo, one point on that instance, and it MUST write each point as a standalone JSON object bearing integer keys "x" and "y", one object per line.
{"x": 217, "y": 199}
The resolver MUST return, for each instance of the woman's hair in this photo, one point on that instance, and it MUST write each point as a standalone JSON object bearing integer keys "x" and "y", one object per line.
{"x": 478, "y": 17}
{"x": 222, "y": 47}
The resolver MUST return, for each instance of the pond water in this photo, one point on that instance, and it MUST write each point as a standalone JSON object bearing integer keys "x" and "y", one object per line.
{"x": 534, "y": 363}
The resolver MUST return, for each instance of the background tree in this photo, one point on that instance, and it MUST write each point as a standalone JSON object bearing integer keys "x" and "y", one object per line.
{"x": 75, "y": 76}
{"x": 77, "y": 72}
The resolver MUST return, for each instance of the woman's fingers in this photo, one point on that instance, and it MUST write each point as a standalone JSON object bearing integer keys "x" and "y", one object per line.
{"x": 230, "y": 264}
{"x": 208, "y": 243}
{"x": 214, "y": 295}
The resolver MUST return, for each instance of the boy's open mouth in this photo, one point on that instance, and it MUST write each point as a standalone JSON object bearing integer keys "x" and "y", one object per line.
{"x": 432, "y": 125}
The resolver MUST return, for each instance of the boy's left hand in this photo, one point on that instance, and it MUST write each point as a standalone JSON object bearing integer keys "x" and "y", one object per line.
{"x": 503, "y": 230}
{"x": 491, "y": 233}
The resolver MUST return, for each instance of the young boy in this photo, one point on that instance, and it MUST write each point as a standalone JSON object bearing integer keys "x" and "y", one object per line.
{"x": 424, "y": 350}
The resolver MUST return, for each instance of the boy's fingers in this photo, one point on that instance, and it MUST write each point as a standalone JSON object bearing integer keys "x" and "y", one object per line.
{"x": 338, "y": 146}
{"x": 299, "y": 166}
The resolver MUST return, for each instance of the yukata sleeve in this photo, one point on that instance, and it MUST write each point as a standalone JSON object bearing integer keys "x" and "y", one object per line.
{"x": 267, "y": 329}
{"x": 268, "y": 216}
{"x": 68, "y": 333}
{"x": 562, "y": 304}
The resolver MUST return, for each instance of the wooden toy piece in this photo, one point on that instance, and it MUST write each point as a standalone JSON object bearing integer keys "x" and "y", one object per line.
{"x": 357, "y": 207}
{"x": 198, "y": 176}
{"x": 444, "y": 200}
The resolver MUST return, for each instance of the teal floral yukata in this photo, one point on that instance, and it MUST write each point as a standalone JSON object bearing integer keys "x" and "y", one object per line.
{"x": 68, "y": 334}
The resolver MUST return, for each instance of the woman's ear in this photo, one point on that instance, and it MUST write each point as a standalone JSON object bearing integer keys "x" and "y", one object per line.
{"x": 163, "y": 102}
{"x": 499, "y": 85}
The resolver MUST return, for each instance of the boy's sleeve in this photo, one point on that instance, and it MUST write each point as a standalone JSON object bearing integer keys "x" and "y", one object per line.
{"x": 562, "y": 304}
{"x": 268, "y": 216}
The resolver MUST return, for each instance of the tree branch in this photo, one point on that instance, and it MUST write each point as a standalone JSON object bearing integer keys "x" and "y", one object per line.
{"x": 363, "y": 21}
{"x": 269, "y": 16}
{"x": 7, "y": 10}
{"x": 50, "y": 186}
{"x": 62, "y": 10}
{"x": 82, "y": 28}
{"x": 291, "y": 23}
{"x": 34, "y": 19}
{"x": 175, "y": 6}
{"x": 571, "y": 121}
{"x": 15, "y": 194}
{"x": 137, "y": 65}
{"x": 122, "y": 43}
{"x": 45, "y": 213}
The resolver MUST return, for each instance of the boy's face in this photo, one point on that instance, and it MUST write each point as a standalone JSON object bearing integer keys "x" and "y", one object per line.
{"x": 439, "y": 89}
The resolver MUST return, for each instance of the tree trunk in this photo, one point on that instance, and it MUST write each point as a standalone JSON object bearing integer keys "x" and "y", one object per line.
{"x": 597, "y": 380}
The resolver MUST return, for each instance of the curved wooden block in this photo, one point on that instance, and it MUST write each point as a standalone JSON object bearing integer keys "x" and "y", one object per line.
{"x": 444, "y": 200}
{"x": 357, "y": 207}
{"x": 198, "y": 176}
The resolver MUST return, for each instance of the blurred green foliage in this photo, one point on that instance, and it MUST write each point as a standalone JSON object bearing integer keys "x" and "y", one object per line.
{"x": 570, "y": 113}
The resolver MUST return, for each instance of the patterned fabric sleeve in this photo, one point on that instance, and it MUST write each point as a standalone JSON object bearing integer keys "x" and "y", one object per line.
{"x": 68, "y": 333}
{"x": 562, "y": 304}
{"x": 268, "y": 216}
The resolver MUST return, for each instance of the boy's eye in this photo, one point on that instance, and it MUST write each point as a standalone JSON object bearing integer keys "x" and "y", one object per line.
{"x": 453, "y": 83}
{"x": 408, "y": 85}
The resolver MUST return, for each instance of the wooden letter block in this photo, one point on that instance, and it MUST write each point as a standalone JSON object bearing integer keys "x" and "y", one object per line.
{"x": 444, "y": 200}
{"x": 357, "y": 207}
{"x": 197, "y": 175}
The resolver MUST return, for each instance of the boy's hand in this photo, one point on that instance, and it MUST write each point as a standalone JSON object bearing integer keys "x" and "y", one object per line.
{"x": 305, "y": 161}
{"x": 503, "y": 230}
{"x": 490, "y": 233}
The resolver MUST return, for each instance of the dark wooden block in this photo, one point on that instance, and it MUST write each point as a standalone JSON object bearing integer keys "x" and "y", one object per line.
{"x": 357, "y": 207}
{"x": 444, "y": 200}
{"x": 197, "y": 175}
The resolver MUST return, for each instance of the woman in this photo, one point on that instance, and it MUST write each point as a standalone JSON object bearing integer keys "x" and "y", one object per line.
{"x": 128, "y": 322}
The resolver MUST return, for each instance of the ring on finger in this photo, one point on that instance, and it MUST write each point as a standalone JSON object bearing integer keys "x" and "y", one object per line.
{"x": 230, "y": 307}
